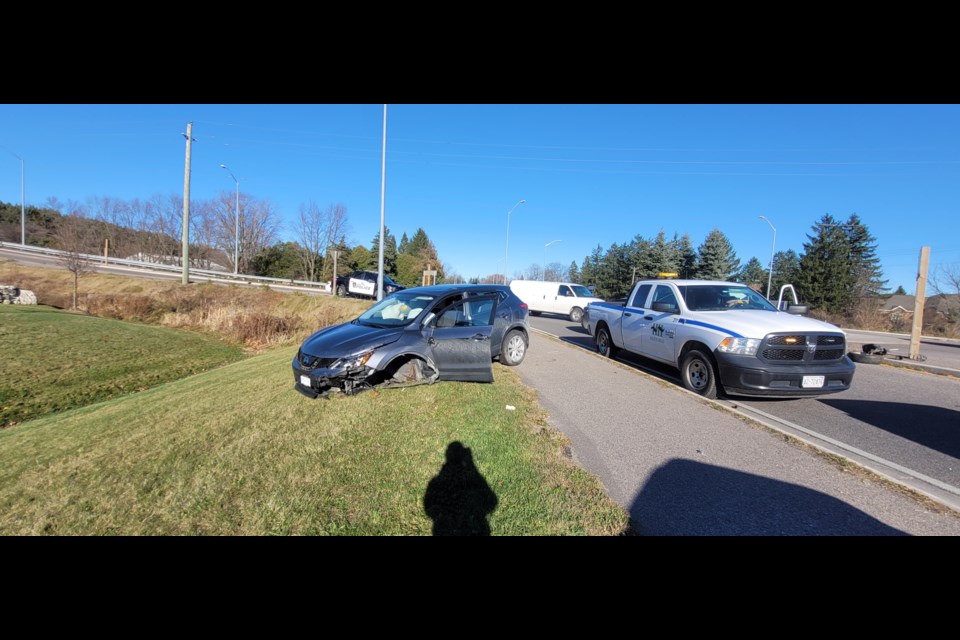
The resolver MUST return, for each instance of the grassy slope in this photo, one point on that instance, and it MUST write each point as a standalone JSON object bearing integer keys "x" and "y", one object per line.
{"x": 237, "y": 451}
{"x": 54, "y": 360}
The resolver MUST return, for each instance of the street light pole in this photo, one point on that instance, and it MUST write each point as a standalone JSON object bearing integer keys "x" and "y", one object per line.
{"x": 772, "y": 246}
{"x": 543, "y": 276}
{"x": 23, "y": 216}
{"x": 506, "y": 253}
{"x": 236, "y": 222}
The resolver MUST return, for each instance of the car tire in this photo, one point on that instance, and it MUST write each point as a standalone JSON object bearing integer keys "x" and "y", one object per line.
{"x": 605, "y": 346}
{"x": 513, "y": 349}
{"x": 698, "y": 374}
{"x": 576, "y": 315}
{"x": 341, "y": 291}
{"x": 865, "y": 358}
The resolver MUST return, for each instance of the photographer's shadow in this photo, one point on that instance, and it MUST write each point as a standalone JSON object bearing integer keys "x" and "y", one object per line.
{"x": 458, "y": 498}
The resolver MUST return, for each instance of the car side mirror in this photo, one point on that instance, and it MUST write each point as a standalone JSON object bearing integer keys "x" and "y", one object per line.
{"x": 428, "y": 320}
{"x": 665, "y": 307}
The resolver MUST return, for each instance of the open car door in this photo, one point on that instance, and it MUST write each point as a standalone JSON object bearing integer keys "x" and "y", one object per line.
{"x": 459, "y": 339}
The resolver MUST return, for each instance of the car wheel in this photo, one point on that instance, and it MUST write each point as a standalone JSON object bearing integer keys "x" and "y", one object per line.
{"x": 341, "y": 291}
{"x": 576, "y": 314}
{"x": 698, "y": 374}
{"x": 605, "y": 345}
{"x": 514, "y": 348}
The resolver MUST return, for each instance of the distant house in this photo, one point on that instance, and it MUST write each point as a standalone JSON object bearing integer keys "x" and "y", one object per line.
{"x": 899, "y": 307}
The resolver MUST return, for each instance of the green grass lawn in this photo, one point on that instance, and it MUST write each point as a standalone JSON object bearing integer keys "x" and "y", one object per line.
{"x": 236, "y": 451}
{"x": 54, "y": 360}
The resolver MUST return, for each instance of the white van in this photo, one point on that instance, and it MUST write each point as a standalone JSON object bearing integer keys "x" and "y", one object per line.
{"x": 565, "y": 298}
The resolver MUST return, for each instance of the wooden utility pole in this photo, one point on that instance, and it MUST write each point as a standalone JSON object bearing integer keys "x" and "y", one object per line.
{"x": 106, "y": 245}
{"x": 185, "y": 234}
{"x": 918, "y": 302}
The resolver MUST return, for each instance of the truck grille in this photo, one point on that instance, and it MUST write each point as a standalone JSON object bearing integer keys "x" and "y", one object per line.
{"x": 782, "y": 354}
{"x": 802, "y": 347}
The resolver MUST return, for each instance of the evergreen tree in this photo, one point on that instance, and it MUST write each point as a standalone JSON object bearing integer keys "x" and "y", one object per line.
{"x": 389, "y": 252}
{"x": 687, "y": 256}
{"x": 717, "y": 259}
{"x": 613, "y": 275}
{"x": 753, "y": 275}
{"x": 641, "y": 257}
{"x": 900, "y": 291}
{"x": 573, "y": 272}
{"x": 419, "y": 242}
{"x": 786, "y": 267}
{"x": 403, "y": 243}
{"x": 867, "y": 274}
{"x": 827, "y": 279}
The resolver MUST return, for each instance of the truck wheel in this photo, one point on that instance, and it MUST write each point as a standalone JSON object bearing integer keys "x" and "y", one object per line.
{"x": 576, "y": 314}
{"x": 513, "y": 349}
{"x": 698, "y": 374}
{"x": 605, "y": 345}
{"x": 341, "y": 291}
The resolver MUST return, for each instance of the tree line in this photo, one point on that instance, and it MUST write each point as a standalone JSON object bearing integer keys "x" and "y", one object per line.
{"x": 837, "y": 270}
{"x": 150, "y": 230}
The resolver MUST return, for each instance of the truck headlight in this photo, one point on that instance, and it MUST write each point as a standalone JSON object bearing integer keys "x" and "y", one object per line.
{"x": 739, "y": 346}
{"x": 349, "y": 362}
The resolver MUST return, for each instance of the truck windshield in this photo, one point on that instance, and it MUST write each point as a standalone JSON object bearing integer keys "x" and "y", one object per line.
{"x": 723, "y": 298}
{"x": 581, "y": 291}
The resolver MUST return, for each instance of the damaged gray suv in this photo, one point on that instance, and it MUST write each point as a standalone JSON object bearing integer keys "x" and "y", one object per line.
{"x": 417, "y": 336}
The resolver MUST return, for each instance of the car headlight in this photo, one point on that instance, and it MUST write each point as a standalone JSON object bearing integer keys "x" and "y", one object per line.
{"x": 349, "y": 362}
{"x": 739, "y": 346}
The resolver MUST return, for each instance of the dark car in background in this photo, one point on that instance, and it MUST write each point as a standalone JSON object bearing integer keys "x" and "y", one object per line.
{"x": 414, "y": 336}
{"x": 363, "y": 284}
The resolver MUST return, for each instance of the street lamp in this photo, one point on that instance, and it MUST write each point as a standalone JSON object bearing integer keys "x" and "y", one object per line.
{"x": 23, "y": 217}
{"x": 770, "y": 273}
{"x": 543, "y": 276}
{"x": 507, "y": 250}
{"x": 236, "y": 222}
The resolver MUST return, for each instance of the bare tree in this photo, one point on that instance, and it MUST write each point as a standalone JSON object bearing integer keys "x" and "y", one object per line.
{"x": 556, "y": 272}
{"x": 946, "y": 279}
{"x": 311, "y": 231}
{"x": 257, "y": 226}
{"x": 73, "y": 238}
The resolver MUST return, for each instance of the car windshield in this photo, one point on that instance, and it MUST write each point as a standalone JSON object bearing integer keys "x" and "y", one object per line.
{"x": 714, "y": 297}
{"x": 395, "y": 310}
{"x": 581, "y": 291}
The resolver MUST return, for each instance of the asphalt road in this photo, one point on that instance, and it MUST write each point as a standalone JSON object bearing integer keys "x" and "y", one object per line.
{"x": 680, "y": 466}
{"x": 900, "y": 422}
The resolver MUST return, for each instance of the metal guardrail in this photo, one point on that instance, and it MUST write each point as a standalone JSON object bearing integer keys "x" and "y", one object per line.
{"x": 207, "y": 273}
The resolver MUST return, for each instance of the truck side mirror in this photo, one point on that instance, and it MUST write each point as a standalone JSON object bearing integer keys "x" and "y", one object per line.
{"x": 665, "y": 307}
{"x": 798, "y": 309}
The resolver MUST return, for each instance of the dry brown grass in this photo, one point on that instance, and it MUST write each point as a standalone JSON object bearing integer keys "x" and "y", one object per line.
{"x": 254, "y": 317}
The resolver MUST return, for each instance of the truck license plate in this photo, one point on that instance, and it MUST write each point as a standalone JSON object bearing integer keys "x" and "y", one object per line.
{"x": 305, "y": 381}
{"x": 812, "y": 382}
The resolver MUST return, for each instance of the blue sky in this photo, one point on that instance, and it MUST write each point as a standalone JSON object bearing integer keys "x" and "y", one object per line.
{"x": 590, "y": 174}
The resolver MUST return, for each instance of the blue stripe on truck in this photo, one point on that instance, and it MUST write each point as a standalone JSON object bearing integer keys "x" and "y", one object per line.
{"x": 710, "y": 326}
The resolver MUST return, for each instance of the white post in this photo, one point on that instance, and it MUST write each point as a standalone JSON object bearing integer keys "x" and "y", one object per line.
{"x": 772, "y": 247}
{"x": 506, "y": 254}
{"x": 383, "y": 187}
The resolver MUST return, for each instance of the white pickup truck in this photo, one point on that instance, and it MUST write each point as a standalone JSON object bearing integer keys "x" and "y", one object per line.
{"x": 724, "y": 335}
